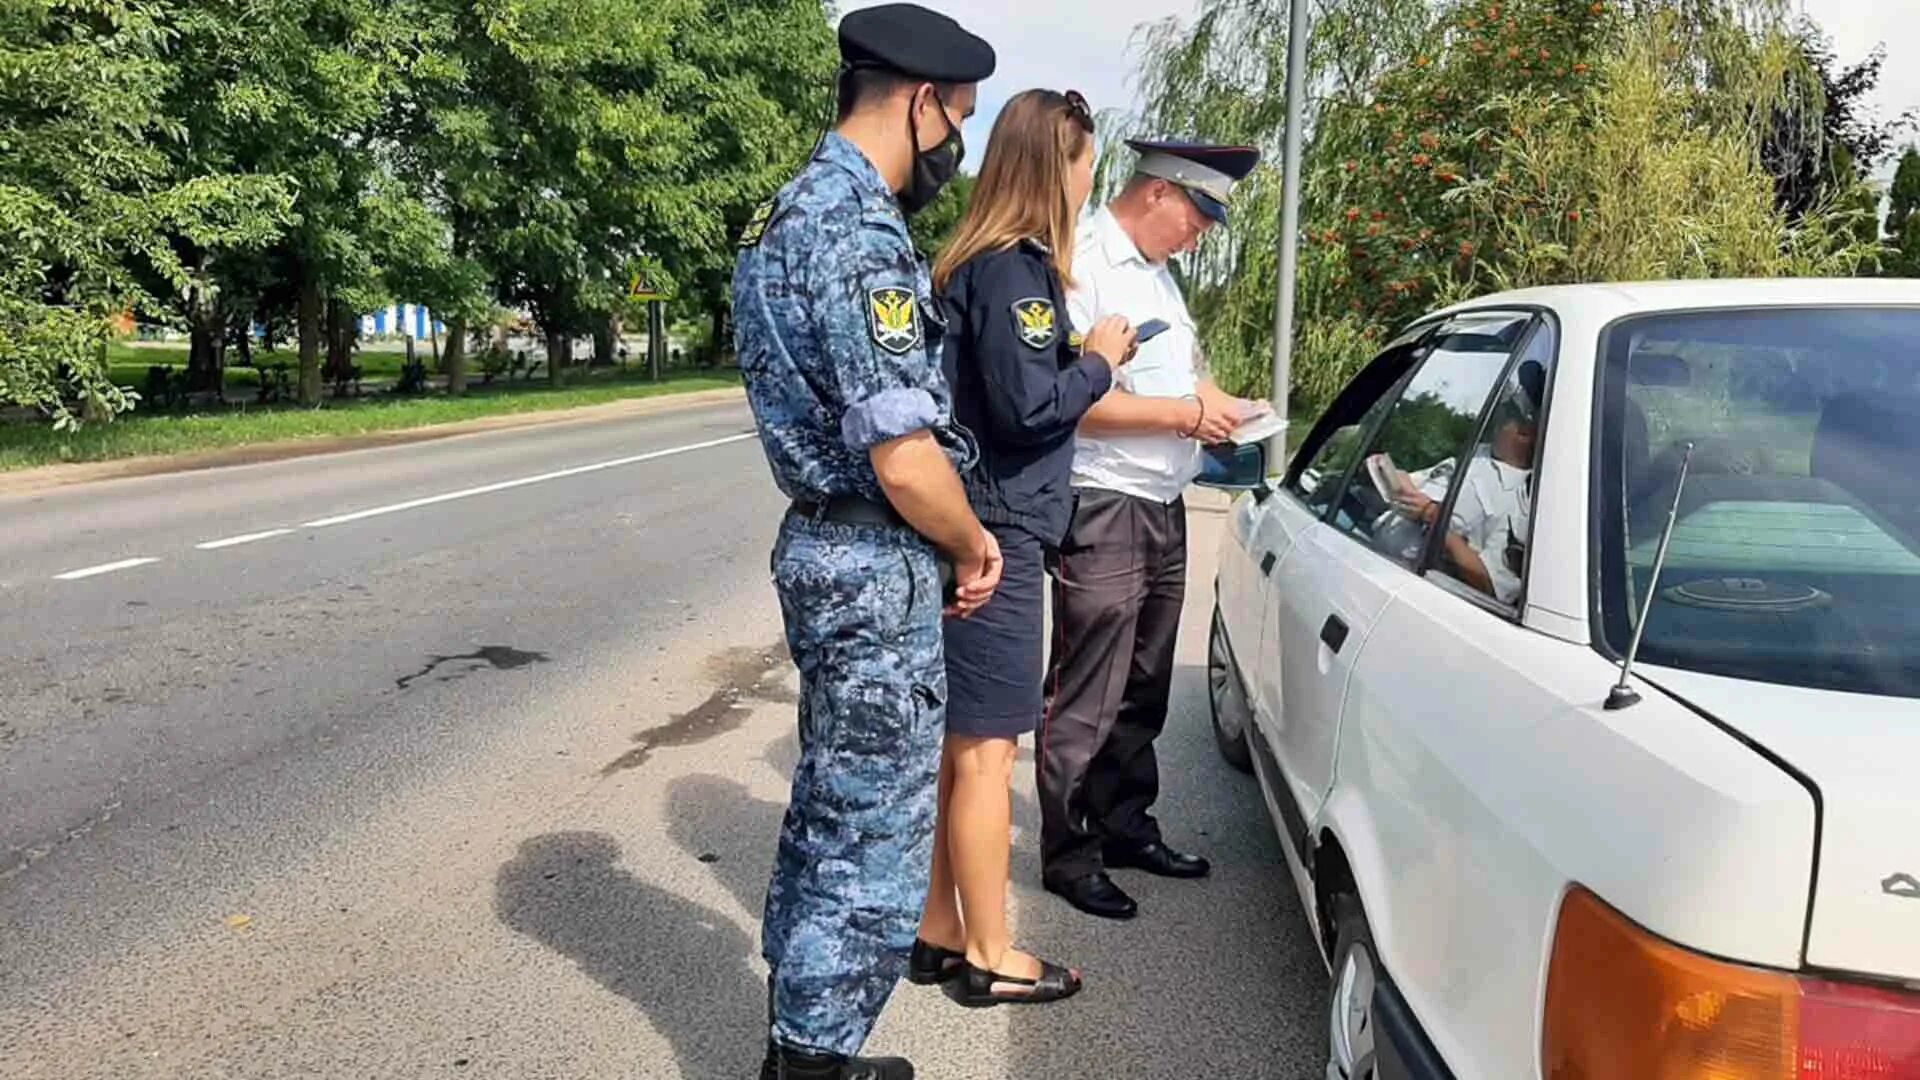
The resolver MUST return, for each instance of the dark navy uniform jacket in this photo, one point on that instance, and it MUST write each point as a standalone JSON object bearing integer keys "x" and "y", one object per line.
{"x": 1020, "y": 385}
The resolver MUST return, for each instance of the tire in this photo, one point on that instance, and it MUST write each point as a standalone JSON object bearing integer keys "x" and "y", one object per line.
{"x": 1351, "y": 1022}
{"x": 1227, "y": 701}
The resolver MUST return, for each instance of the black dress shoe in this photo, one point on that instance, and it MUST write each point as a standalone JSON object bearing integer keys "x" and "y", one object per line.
{"x": 1157, "y": 858}
{"x": 975, "y": 987}
{"x": 929, "y": 964}
{"x": 783, "y": 1063}
{"x": 1096, "y": 894}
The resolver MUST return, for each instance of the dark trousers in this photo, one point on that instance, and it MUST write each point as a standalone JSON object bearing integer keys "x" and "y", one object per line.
{"x": 1119, "y": 582}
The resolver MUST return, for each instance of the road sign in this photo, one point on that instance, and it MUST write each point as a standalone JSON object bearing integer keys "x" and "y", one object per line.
{"x": 643, "y": 287}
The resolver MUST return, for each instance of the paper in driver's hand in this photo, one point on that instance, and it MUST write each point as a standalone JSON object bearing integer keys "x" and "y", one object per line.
{"x": 1392, "y": 484}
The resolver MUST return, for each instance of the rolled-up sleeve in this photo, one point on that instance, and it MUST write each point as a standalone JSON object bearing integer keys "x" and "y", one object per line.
{"x": 873, "y": 334}
{"x": 888, "y": 415}
{"x": 1030, "y": 397}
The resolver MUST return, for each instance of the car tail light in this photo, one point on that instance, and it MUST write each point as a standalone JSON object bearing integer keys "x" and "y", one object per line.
{"x": 1622, "y": 1003}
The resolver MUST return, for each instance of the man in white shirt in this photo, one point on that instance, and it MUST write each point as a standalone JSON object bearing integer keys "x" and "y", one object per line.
{"x": 1486, "y": 540}
{"x": 1120, "y": 576}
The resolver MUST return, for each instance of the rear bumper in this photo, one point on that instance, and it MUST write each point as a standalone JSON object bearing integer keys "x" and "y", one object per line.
{"x": 1403, "y": 1049}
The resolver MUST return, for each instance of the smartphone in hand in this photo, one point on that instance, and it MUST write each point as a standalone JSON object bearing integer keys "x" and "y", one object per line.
{"x": 1149, "y": 330}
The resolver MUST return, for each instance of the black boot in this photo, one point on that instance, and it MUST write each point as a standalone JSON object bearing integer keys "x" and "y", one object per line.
{"x": 783, "y": 1063}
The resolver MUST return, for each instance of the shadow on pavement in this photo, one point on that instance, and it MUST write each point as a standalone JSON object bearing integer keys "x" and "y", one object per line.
{"x": 724, "y": 825}
{"x": 688, "y": 968}
{"x": 1217, "y": 977}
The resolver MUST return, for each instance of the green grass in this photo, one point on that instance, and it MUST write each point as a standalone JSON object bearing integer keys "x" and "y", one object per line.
{"x": 127, "y": 364}
{"x": 25, "y": 445}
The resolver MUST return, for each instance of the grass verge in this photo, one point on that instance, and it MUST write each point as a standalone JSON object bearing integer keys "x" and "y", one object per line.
{"x": 24, "y": 446}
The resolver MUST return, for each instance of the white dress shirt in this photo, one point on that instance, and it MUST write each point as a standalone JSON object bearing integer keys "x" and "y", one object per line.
{"x": 1494, "y": 503}
{"x": 1111, "y": 277}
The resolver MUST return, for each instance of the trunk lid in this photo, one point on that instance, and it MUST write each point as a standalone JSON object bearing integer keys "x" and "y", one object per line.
{"x": 1862, "y": 753}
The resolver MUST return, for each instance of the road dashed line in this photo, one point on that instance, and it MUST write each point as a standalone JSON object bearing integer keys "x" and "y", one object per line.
{"x": 487, "y": 489}
{"x": 412, "y": 504}
{"x": 236, "y": 541}
{"x": 103, "y": 568}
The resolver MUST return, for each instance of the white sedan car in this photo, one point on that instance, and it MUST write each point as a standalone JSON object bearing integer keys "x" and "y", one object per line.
{"x": 1520, "y": 861}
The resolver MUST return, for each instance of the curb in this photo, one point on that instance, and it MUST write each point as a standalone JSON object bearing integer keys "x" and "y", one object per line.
{"x": 46, "y": 477}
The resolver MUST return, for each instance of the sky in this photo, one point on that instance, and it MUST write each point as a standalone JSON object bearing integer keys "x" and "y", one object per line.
{"x": 1087, "y": 45}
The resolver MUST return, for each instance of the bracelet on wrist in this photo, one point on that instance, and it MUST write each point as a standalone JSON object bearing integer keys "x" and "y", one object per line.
{"x": 1198, "y": 420}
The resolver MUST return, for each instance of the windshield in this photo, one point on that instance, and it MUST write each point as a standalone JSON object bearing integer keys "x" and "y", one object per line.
{"x": 1796, "y": 557}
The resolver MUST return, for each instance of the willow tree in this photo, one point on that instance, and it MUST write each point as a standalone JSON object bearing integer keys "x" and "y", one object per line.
{"x": 1466, "y": 147}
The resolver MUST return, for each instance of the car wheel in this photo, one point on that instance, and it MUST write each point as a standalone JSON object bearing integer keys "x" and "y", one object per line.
{"x": 1232, "y": 717}
{"x": 1350, "y": 1016}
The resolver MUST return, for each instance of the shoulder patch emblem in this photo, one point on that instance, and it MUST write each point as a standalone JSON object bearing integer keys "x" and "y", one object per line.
{"x": 757, "y": 225}
{"x": 1033, "y": 321}
{"x": 894, "y": 314}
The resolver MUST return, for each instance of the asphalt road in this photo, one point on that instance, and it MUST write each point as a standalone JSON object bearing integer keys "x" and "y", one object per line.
{"x": 465, "y": 758}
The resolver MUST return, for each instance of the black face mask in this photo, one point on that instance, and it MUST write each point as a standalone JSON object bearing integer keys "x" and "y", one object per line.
{"x": 932, "y": 169}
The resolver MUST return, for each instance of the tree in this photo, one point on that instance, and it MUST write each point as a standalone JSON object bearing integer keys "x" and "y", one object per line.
{"x": 758, "y": 75}
{"x": 1828, "y": 140}
{"x": 86, "y": 131}
{"x": 292, "y": 90}
{"x": 933, "y": 226}
{"x": 1903, "y": 218}
{"x": 552, "y": 146}
{"x": 1511, "y": 143}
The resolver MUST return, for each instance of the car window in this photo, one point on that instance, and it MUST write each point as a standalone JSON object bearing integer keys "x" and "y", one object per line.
{"x": 1490, "y": 512}
{"x": 1340, "y": 433}
{"x": 1321, "y": 481}
{"x": 1795, "y": 555}
{"x": 1410, "y": 467}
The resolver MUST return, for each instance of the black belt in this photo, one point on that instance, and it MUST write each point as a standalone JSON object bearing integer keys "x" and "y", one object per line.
{"x": 853, "y": 510}
{"x": 850, "y": 510}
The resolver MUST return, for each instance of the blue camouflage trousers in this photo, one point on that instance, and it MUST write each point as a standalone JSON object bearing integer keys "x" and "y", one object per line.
{"x": 862, "y": 609}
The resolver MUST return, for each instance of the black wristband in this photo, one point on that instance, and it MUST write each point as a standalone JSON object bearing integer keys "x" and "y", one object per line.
{"x": 1197, "y": 400}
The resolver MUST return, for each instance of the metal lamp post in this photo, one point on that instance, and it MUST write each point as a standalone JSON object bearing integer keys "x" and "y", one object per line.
{"x": 1289, "y": 218}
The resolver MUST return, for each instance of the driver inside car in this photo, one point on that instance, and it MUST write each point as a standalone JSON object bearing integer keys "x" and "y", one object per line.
{"x": 1486, "y": 539}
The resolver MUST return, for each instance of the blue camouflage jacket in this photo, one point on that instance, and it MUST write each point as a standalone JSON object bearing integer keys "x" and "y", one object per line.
{"x": 837, "y": 330}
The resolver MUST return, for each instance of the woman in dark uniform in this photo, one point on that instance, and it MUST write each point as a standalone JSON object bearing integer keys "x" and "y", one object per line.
{"x": 1021, "y": 381}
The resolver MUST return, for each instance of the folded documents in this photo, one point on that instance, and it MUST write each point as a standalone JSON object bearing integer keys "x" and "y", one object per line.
{"x": 1259, "y": 429}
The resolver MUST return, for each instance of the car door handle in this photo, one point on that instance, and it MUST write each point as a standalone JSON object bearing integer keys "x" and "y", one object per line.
{"x": 1333, "y": 633}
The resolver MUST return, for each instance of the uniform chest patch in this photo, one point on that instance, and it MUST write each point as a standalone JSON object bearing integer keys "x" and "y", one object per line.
{"x": 895, "y": 317}
{"x": 1033, "y": 320}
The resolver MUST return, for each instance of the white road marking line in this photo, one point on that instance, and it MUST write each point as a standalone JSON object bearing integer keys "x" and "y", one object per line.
{"x": 103, "y": 568}
{"x": 488, "y": 489}
{"x": 236, "y": 541}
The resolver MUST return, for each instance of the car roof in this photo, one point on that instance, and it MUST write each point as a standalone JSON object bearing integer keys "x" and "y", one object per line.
{"x": 1613, "y": 300}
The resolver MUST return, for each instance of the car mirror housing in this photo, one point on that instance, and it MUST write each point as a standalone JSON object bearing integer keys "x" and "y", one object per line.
{"x": 1232, "y": 467}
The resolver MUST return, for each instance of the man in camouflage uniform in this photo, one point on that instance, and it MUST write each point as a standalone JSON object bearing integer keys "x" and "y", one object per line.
{"x": 839, "y": 341}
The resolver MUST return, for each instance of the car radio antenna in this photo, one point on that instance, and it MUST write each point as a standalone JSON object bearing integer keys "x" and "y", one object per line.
{"x": 1622, "y": 695}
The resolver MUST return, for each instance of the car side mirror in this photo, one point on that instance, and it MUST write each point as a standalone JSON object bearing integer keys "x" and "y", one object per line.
{"x": 1234, "y": 467}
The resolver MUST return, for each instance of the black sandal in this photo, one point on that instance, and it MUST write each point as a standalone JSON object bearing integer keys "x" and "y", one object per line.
{"x": 975, "y": 988}
{"x": 929, "y": 964}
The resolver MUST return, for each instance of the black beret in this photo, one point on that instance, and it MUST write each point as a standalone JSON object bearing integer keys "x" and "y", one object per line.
{"x": 910, "y": 40}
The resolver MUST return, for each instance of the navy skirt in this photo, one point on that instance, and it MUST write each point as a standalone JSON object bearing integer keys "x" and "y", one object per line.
{"x": 995, "y": 660}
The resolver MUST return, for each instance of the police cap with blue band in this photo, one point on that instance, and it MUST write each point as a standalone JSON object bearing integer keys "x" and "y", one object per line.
{"x": 1206, "y": 172}
{"x": 915, "y": 42}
